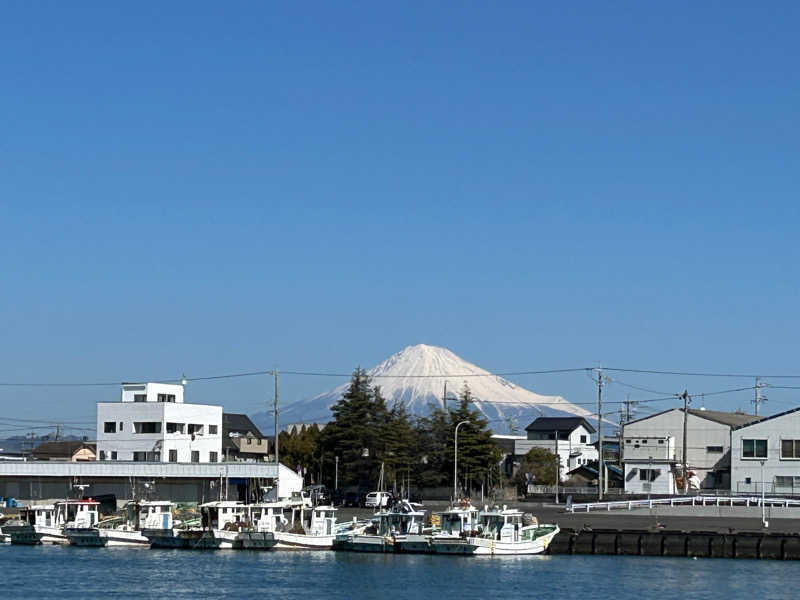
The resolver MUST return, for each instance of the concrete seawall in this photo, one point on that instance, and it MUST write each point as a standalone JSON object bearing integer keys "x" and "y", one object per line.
{"x": 701, "y": 544}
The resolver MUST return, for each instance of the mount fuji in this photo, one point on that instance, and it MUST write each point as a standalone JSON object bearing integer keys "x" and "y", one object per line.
{"x": 416, "y": 376}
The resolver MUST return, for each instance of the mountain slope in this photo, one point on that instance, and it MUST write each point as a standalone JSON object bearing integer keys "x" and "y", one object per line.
{"x": 417, "y": 375}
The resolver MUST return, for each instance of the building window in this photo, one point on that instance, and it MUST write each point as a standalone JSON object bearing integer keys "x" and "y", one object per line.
{"x": 583, "y": 439}
{"x": 747, "y": 480}
{"x": 120, "y": 425}
{"x": 627, "y": 441}
{"x": 110, "y": 427}
{"x": 660, "y": 441}
{"x": 648, "y": 474}
{"x": 212, "y": 430}
{"x": 196, "y": 456}
{"x": 754, "y": 448}
{"x": 113, "y": 455}
{"x": 102, "y": 454}
{"x": 166, "y": 397}
{"x": 140, "y": 397}
{"x": 175, "y": 427}
{"x": 644, "y": 441}
{"x": 147, "y": 427}
{"x": 787, "y": 481}
{"x": 140, "y": 457}
{"x": 714, "y": 449}
{"x": 790, "y": 449}
{"x": 173, "y": 456}
{"x": 195, "y": 429}
{"x": 249, "y": 441}
{"x": 212, "y": 457}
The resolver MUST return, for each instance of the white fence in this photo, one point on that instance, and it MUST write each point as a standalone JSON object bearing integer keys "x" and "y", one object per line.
{"x": 684, "y": 500}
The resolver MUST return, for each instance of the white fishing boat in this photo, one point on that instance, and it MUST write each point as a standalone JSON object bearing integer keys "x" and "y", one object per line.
{"x": 261, "y": 522}
{"x": 315, "y": 532}
{"x": 222, "y": 522}
{"x": 81, "y": 526}
{"x": 402, "y": 522}
{"x": 456, "y": 524}
{"x": 154, "y": 516}
{"x": 22, "y": 530}
{"x": 47, "y": 523}
{"x": 510, "y": 531}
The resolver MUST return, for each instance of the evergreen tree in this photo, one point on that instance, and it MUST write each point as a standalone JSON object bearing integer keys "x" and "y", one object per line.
{"x": 478, "y": 455}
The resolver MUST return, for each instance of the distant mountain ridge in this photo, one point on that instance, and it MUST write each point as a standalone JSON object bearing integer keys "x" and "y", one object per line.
{"x": 416, "y": 377}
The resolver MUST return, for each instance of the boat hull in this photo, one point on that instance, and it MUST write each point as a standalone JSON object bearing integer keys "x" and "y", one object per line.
{"x": 169, "y": 538}
{"x": 364, "y": 543}
{"x": 257, "y": 540}
{"x": 412, "y": 544}
{"x": 85, "y": 536}
{"x": 52, "y": 535}
{"x": 497, "y": 547}
{"x": 451, "y": 545}
{"x": 24, "y": 535}
{"x": 301, "y": 541}
{"x": 130, "y": 539}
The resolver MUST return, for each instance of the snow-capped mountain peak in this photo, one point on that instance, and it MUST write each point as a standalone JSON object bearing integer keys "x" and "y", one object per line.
{"x": 416, "y": 376}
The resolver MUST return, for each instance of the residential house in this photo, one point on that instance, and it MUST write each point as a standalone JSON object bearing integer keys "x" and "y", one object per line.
{"x": 65, "y": 450}
{"x": 586, "y": 475}
{"x": 652, "y": 450}
{"x": 766, "y": 455}
{"x": 242, "y": 440}
{"x": 569, "y": 437}
{"x": 152, "y": 423}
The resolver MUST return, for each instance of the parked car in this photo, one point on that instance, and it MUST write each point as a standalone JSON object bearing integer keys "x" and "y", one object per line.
{"x": 378, "y": 500}
{"x": 319, "y": 494}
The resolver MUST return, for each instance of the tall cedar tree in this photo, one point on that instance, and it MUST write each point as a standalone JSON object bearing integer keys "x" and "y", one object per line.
{"x": 478, "y": 455}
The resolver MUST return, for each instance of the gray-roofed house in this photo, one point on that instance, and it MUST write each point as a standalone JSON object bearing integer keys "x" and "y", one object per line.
{"x": 243, "y": 441}
{"x": 652, "y": 450}
{"x": 773, "y": 441}
{"x": 573, "y": 446}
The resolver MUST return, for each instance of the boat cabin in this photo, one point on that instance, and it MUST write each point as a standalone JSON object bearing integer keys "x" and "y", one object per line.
{"x": 503, "y": 525}
{"x": 403, "y": 518}
{"x": 267, "y": 516}
{"x": 80, "y": 514}
{"x": 225, "y": 514}
{"x": 151, "y": 515}
{"x": 40, "y": 514}
{"x": 459, "y": 520}
{"x": 323, "y": 521}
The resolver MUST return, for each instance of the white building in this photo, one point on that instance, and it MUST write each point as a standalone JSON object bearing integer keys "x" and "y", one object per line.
{"x": 573, "y": 446}
{"x": 649, "y": 464}
{"x": 767, "y": 451}
{"x": 153, "y": 424}
{"x": 658, "y": 440}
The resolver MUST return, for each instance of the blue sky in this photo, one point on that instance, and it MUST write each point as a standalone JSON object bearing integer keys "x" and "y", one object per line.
{"x": 208, "y": 188}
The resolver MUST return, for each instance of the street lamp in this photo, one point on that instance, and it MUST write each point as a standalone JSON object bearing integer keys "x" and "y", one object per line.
{"x": 336, "y": 476}
{"x": 455, "y": 463}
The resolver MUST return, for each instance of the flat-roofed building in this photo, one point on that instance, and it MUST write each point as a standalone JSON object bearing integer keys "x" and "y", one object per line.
{"x": 152, "y": 423}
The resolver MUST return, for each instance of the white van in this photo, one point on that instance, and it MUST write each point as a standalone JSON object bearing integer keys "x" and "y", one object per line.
{"x": 378, "y": 500}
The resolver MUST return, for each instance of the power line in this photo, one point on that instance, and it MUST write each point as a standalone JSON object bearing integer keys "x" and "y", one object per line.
{"x": 701, "y": 374}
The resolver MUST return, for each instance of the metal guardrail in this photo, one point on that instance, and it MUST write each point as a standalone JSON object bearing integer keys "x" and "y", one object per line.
{"x": 575, "y": 491}
{"x": 684, "y": 500}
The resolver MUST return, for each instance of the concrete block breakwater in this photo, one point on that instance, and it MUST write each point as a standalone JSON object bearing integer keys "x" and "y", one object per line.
{"x": 700, "y": 544}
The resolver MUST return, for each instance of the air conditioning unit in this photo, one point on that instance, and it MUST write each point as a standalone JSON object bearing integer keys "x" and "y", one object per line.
{"x": 647, "y": 486}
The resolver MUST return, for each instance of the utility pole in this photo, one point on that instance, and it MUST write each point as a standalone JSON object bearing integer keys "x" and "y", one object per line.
{"x": 758, "y": 399}
{"x": 558, "y": 464}
{"x": 274, "y": 374}
{"x": 444, "y": 396}
{"x": 600, "y": 434}
{"x": 686, "y": 399}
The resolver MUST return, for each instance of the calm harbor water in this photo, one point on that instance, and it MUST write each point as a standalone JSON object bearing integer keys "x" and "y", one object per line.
{"x": 65, "y": 572}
